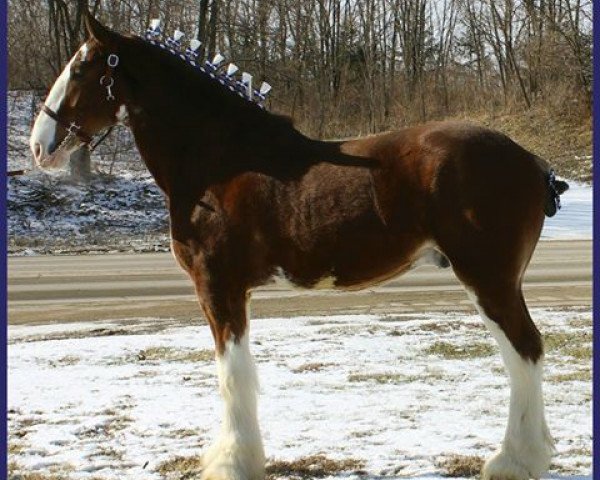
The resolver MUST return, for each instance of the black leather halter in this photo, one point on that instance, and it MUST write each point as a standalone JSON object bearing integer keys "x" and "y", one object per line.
{"x": 72, "y": 128}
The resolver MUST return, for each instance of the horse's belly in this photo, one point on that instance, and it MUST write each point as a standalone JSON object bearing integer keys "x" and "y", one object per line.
{"x": 362, "y": 271}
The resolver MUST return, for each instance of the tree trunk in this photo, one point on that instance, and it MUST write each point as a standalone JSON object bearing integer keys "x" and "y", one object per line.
{"x": 80, "y": 165}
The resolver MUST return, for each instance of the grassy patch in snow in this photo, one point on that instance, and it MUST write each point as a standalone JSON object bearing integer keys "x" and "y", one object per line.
{"x": 106, "y": 429}
{"x": 65, "y": 361}
{"x": 311, "y": 367}
{"x": 185, "y": 433}
{"x": 175, "y": 355}
{"x": 460, "y": 465}
{"x": 107, "y": 452}
{"x": 438, "y": 327}
{"x": 17, "y": 472}
{"x": 387, "y": 377}
{"x": 584, "y": 375}
{"x": 459, "y": 352}
{"x": 181, "y": 467}
{"x": 576, "y": 344}
{"x": 15, "y": 447}
{"x": 579, "y": 322}
{"x": 313, "y": 466}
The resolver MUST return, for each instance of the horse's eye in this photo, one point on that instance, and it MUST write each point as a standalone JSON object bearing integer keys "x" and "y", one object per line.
{"x": 76, "y": 74}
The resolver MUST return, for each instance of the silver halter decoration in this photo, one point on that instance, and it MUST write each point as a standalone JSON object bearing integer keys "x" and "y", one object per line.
{"x": 107, "y": 80}
{"x": 173, "y": 45}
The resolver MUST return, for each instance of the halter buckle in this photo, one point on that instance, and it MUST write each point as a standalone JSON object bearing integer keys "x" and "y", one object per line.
{"x": 113, "y": 60}
{"x": 73, "y": 128}
{"x": 110, "y": 82}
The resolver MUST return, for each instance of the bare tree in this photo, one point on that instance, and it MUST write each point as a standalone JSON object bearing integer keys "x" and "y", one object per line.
{"x": 342, "y": 67}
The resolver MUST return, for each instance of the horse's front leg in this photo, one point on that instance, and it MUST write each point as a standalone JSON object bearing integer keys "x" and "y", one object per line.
{"x": 238, "y": 452}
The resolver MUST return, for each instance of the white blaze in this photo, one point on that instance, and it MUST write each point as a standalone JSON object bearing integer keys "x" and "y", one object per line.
{"x": 83, "y": 51}
{"x": 122, "y": 115}
{"x": 44, "y": 128}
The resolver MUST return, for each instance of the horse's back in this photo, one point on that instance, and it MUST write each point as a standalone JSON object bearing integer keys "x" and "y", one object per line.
{"x": 454, "y": 163}
{"x": 464, "y": 186}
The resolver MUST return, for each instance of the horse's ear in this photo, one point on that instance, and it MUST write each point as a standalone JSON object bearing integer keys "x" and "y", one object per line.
{"x": 98, "y": 31}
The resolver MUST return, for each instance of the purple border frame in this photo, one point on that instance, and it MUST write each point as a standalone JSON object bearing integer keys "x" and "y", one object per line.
{"x": 3, "y": 232}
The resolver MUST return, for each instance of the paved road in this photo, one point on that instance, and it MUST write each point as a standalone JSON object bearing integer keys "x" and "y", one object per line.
{"x": 47, "y": 289}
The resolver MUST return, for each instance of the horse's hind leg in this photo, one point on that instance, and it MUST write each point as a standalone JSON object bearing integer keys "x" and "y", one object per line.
{"x": 489, "y": 238}
{"x": 492, "y": 276}
{"x": 491, "y": 271}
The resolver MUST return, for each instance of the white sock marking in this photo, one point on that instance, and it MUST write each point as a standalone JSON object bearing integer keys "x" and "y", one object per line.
{"x": 238, "y": 453}
{"x": 527, "y": 447}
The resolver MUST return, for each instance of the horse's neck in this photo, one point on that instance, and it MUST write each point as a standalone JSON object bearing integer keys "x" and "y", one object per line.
{"x": 193, "y": 134}
{"x": 198, "y": 146}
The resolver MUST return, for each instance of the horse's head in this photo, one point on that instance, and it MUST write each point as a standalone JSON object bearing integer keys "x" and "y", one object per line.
{"x": 86, "y": 98}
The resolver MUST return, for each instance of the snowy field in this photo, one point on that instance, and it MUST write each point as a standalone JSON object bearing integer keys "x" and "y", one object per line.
{"x": 372, "y": 397}
{"x": 574, "y": 219}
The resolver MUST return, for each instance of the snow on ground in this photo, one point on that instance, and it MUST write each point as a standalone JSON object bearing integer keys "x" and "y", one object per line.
{"x": 48, "y": 214}
{"x": 574, "y": 219}
{"x": 398, "y": 392}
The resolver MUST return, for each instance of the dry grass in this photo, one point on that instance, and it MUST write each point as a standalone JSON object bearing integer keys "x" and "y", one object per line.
{"x": 175, "y": 355}
{"x": 445, "y": 327}
{"x": 181, "y": 468}
{"x": 65, "y": 361}
{"x": 107, "y": 452}
{"x": 391, "y": 378}
{"x": 576, "y": 344}
{"x": 42, "y": 476}
{"x": 311, "y": 367}
{"x": 16, "y": 472}
{"x": 459, "y": 352}
{"x": 185, "y": 432}
{"x": 384, "y": 378}
{"x": 314, "y": 466}
{"x": 580, "y": 322}
{"x": 106, "y": 429}
{"x": 576, "y": 376}
{"x": 460, "y": 466}
{"x": 15, "y": 447}
{"x": 29, "y": 422}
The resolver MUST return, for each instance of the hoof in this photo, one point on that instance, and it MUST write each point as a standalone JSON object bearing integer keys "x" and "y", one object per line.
{"x": 228, "y": 470}
{"x": 221, "y": 462}
{"x": 504, "y": 466}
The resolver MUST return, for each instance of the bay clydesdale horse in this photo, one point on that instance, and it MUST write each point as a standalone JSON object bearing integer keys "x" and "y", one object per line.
{"x": 250, "y": 197}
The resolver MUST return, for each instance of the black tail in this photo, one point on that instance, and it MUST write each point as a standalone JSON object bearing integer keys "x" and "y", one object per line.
{"x": 555, "y": 188}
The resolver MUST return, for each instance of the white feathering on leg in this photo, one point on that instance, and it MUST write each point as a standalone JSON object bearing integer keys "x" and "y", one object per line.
{"x": 527, "y": 447}
{"x": 238, "y": 453}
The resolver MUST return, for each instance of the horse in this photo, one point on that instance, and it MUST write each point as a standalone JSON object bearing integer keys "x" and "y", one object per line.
{"x": 250, "y": 198}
